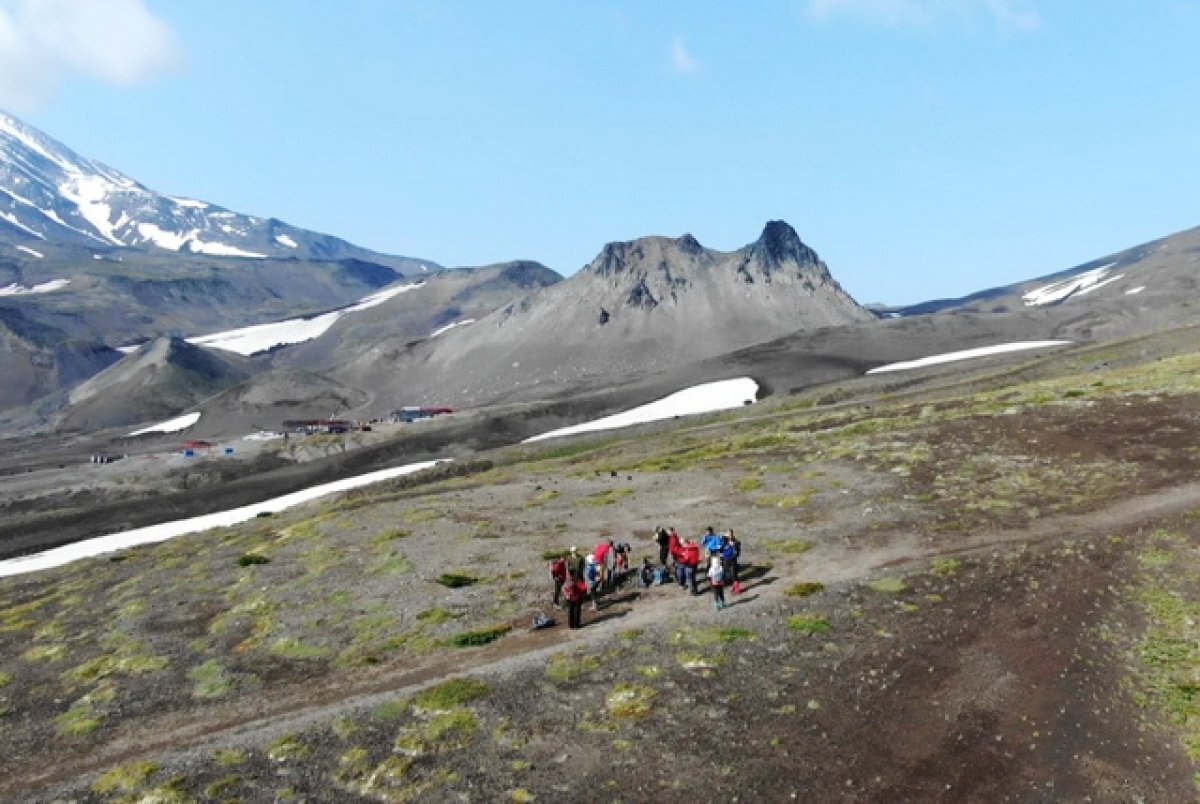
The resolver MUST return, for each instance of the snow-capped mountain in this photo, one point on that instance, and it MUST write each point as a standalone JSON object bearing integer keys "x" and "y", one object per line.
{"x": 51, "y": 195}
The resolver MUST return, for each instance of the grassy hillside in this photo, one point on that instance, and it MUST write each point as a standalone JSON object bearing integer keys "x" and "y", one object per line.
{"x": 977, "y": 587}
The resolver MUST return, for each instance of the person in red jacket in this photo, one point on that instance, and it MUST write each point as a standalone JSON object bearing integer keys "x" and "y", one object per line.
{"x": 575, "y": 591}
{"x": 675, "y": 548}
{"x": 558, "y": 574}
{"x": 691, "y": 560}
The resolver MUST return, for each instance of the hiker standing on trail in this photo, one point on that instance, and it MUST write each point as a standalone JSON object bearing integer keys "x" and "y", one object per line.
{"x": 575, "y": 563}
{"x": 732, "y": 554}
{"x": 575, "y": 591}
{"x": 691, "y": 561}
{"x": 558, "y": 574}
{"x": 600, "y": 554}
{"x": 664, "y": 544}
{"x": 716, "y": 579}
{"x": 591, "y": 574}
{"x": 647, "y": 573}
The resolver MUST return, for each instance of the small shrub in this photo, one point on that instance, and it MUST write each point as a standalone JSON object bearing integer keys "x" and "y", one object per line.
{"x": 749, "y": 484}
{"x": 888, "y": 584}
{"x": 788, "y": 546}
{"x": 250, "y": 559}
{"x": 550, "y": 555}
{"x": 804, "y": 589}
{"x": 124, "y": 778}
{"x": 630, "y": 701}
{"x": 454, "y": 580}
{"x": 482, "y": 636}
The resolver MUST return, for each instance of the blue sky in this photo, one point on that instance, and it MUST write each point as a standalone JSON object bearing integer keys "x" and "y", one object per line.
{"x": 924, "y": 148}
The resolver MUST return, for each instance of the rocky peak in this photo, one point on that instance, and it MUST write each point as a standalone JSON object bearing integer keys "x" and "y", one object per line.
{"x": 779, "y": 244}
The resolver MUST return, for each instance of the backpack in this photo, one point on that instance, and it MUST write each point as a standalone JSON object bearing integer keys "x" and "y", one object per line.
{"x": 542, "y": 620}
{"x": 558, "y": 568}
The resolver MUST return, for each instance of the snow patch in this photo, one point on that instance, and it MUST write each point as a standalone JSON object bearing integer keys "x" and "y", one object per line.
{"x": 46, "y": 287}
{"x": 1078, "y": 284}
{"x": 1134, "y": 291}
{"x": 284, "y": 240}
{"x": 261, "y": 337}
{"x": 190, "y": 203}
{"x": 31, "y": 252}
{"x": 11, "y": 218}
{"x": 171, "y": 425}
{"x": 449, "y": 327}
{"x": 168, "y": 530}
{"x": 705, "y": 398}
{"x": 966, "y": 354}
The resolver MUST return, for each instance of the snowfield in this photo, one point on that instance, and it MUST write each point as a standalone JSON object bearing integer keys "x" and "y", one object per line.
{"x": 705, "y": 398}
{"x": 966, "y": 354}
{"x": 261, "y": 337}
{"x": 168, "y": 530}
{"x": 171, "y": 425}
{"x": 1077, "y": 285}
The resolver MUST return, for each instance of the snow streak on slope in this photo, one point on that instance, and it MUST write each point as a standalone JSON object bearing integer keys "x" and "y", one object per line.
{"x": 966, "y": 354}
{"x": 19, "y": 290}
{"x": 31, "y": 252}
{"x": 167, "y": 530}
{"x": 705, "y": 398}
{"x": 261, "y": 337}
{"x": 449, "y": 327}
{"x": 1077, "y": 285}
{"x": 171, "y": 425}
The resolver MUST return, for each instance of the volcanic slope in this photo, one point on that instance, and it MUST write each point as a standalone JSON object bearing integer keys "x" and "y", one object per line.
{"x": 639, "y": 307}
{"x": 952, "y": 594}
{"x": 155, "y": 382}
{"x": 1147, "y": 288}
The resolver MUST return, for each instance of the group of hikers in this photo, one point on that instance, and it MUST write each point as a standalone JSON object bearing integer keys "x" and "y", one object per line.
{"x": 579, "y": 578}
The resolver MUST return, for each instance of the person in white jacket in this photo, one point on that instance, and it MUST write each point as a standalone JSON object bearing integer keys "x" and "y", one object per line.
{"x": 716, "y": 579}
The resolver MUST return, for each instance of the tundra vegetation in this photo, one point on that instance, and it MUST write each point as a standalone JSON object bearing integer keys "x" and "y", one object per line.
{"x": 981, "y": 583}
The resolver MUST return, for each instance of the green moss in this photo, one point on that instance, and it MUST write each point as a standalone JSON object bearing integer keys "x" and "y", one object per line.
{"x": 809, "y": 624}
{"x": 632, "y": 701}
{"x": 786, "y": 500}
{"x": 5, "y": 678}
{"x": 103, "y": 666}
{"x": 888, "y": 584}
{"x": 481, "y": 636}
{"x": 251, "y": 559}
{"x": 390, "y": 710}
{"x": 288, "y": 747}
{"x": 228, "y": 757}
{"x": 749, "y": 484}
{"x": 564, "y": 667}
{"x": 437, "y": 615}
{"x": 211, "y": 680}
{"x": 558, "y": 552}
{"x": 787, "y": 546}
{"x": 606, "y": 497}
{"x": 80, "y": 719}
{"x": 450, "y": 694}
{"x": 945, "y": 566}
{"x": 127, "y": 778}
{"x": 394, "y": 564}
{"x": 804, "y": 589}
{"x": 294, "y": 648}
{"x": 221, "y": 788}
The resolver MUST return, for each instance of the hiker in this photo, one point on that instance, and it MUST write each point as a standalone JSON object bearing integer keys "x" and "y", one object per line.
{"x": 664, "y": 544}
{"x": 575, "y": 590}
{"x": 676, "y": 548}
{"x": 601, "y": 555}
{"x": 730, "y": 555}
{"x": 558, "y": 574}
{"x": 710, "y": 541}
{"x": 591, "y": 574}
{"x": 647, "y": 572}
{"x": 575, "y": 563}
{"x": 716, "y": 579}
{"x": 691, "y": 561}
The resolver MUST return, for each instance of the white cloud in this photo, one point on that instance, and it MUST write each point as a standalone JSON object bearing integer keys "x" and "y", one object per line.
{"x": 43, "y": 42}
{"x": 1008, "y": 15}
{"x": 682, "y": 61}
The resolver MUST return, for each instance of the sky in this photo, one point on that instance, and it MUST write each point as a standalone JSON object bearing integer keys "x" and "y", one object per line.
{"x": 924, "y": 148}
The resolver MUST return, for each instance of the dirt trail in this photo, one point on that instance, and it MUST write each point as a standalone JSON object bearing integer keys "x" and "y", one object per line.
{"x": 246, "y": 722}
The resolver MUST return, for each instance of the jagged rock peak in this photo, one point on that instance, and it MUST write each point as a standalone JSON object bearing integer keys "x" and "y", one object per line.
{"x": 779, "y": 243}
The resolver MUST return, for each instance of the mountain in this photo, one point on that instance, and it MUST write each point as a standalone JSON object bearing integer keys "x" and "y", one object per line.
{"x": 1147, "y": 288}
{"x": 153, "y": 383}
{"x": 640, "y": 307}
{"x": 91, "y": 260}
{"x": 52, "y": 197}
